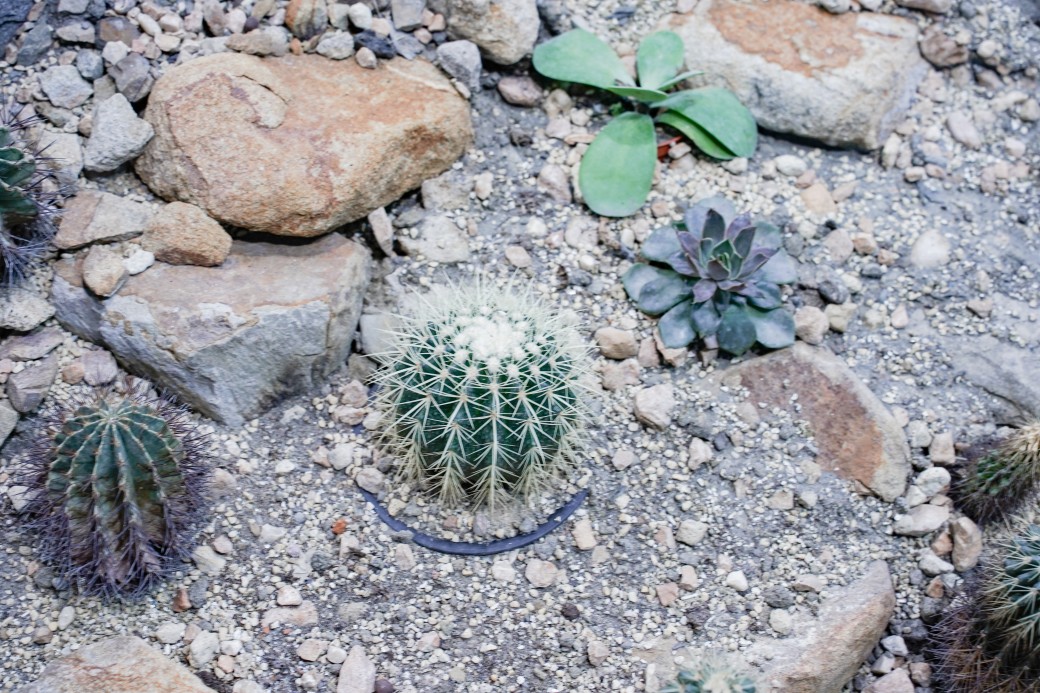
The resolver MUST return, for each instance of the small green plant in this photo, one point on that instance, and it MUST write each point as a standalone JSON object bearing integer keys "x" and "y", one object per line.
{"x": 28, "y": 199}
{"x": 1000, "y": 476}
{"x": 115, "y": 491}
{"x": 617, "y": 171}
{"x": 990, "y": 640}
{"x": 482, "y": 393}
{"x": 711, "y": 676}
{"x": 716, "y": 277}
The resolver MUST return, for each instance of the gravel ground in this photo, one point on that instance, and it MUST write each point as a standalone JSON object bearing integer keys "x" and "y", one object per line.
{"x": 289, "y": 517}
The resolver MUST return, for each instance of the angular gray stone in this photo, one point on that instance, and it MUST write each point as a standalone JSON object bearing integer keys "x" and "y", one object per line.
{"x": 215, "y": 340}
{"x": 407, "y": 14}
{"x": 440, "y": 240}
{"x": 922, "y": 520}
{"x": 357, "y": 674}
{"x": 844, "y": 80}
{"x": 337, "y": 46}
{"x": 21, "y": 310}
{"x": 35, "y": 44}
{"x": 8, "y": 420}
{"x": 27, "y": 388}
{"x": 33, "y": 346}
{"x": 64, "y": 87}
{"x": 94, "y": 216}
{"x": 117, "y": 135}
{"x": 67, "y": 152}
{"x": 122, "y": 664}
{"x": 133, "y": 77}
{"x": 461, "y": 60}
{"x": 99, "y": 367}
{"x": 504, "y": 30}
{"x": 1009, "y": 373}
{"x": 824, "y": 653}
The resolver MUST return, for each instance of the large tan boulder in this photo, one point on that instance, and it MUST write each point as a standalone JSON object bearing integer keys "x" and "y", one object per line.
{"x": 299, "y": 145}
{"x": 117, "y": 665}
{"x": 845, "y": 80}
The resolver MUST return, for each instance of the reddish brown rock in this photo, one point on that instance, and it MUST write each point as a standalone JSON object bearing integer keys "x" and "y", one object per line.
{"x": 857, "y": 436}
{"x": 183, "y": 234}
{"x": 116, "y": 665}
{"x": 842, "y": 79}
{"x": 299, "y": 145}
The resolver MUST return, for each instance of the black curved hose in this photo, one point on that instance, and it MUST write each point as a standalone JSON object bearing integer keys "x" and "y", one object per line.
{"x": 464, "y": 548}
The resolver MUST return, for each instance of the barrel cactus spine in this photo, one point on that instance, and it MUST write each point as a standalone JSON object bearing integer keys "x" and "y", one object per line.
{"x": 29, "y": 195}
{"x": 712, "y": 675}
{"x": 1000, "y": 476}
{"x": 116, "y": 491}
{"x": 483, "y": 393}
{"x": 989, "y": 640}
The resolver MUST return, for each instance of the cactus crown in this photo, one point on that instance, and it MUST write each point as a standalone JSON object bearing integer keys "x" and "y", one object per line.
{"x": 997, "y": 482}
{"x": 116, "y": 487}
{"x": 482, "y": 393}
{"x": 28, "y": 197}
{"x": 711, "y": 676}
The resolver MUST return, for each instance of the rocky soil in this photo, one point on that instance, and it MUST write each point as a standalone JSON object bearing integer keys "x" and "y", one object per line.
{"x": 786, "y": 510}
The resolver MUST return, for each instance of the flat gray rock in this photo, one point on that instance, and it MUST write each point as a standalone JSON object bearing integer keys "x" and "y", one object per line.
{"x": 215, "y": 340}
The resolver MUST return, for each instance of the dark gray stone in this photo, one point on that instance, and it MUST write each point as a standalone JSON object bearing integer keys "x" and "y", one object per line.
{"x": 133, "y": 77}
{"x": 12, "y": 16}
{"x": 90, "y": 64}
{"x": 26, "y": 389}
{"x": 35, "y": 44}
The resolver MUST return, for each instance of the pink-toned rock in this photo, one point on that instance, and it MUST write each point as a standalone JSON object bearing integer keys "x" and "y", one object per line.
{"x": 251, "y": 140}
{"x": 93, "y": 216}
{"x": 843, "y": 79}
{"x": 857, "y": 436}
{"x": 117, "y": 665}
{"x": 183, "y": 234}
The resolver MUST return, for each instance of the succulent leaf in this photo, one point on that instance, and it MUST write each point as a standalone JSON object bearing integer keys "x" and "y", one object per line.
{"x": 116, "y": 490}
{"x": 677, "y": 327}
{"x": 659, "y": 59}
{"x": 482, "y": 394}
{"x": 719, "y": 112}
{"x": 617, "y": 171}
{"x": 712, "y": 676}
{"x": 582, "y": 57}
{"x": 700, "y": 137}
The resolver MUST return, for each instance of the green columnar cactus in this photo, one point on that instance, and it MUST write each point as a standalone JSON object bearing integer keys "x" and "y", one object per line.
{"x": 998, "y": 479}
{"x": 28, "y": 197}
{"x": 482, "y": 394}
{"x": 990, "y": 639}
{"x": 711, "y": 676}
{"x": 116, "y": 491}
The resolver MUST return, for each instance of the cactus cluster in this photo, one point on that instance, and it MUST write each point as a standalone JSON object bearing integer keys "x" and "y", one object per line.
{"x": 712, "y": 676}
{"x": 482, "y": 393}
{"x": 29, "y": 194}
{"x": 1001, "y": 475}
{"x": 115, "y": 491}
{"x": 990, "y": 640}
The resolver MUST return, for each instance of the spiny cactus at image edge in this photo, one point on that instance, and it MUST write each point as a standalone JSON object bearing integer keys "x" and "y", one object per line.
{"x": 482, "y": 393}
{"x": 711, "y": 676}
{"x": 29, "y": 194}
{"x": 990, "y": 638}
{"x": 116, "y": 488}
{"x": 1000, "y": 477}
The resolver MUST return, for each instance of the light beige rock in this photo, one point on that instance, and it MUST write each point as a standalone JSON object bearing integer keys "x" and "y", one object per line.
{"x": 653, "y": 405}
{"x": 845, "y": 80}
{"x": 183, "y": 234}
{"x": 824, "y": 653}
{"x": 617, "y": 344}
{"x": 117, "y": 665}
{"x": 296, "y": 171}
{"x": 93, "y": 216}
{"x": 504, "y": 30}
{"x": 357, "y": 674}
{"x": 103, "y": 271}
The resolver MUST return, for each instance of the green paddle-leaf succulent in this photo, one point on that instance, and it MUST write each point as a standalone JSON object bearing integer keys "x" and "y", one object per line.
{"x": 617, "y": 172}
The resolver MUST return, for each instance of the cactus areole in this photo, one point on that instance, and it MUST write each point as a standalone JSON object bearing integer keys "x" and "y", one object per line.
{"x": 116, "y": 488}
{"x": 482, "y": 394}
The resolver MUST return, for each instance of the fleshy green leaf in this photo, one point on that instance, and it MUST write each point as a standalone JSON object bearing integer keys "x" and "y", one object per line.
{"x": 736, "y": 332}
{"x": 779, "y": 269}
{"x": 661, "y": 244}
{"x": 696, "y": 134}
{"x": 659, "y": 59}
{"x": 719, "y": 112}
{"x": 705, "y": 319}
{"x": 638, "y": 276}
{"x": 680, "y": 78}
{"x": 774, "y": 329}
{"x": 676, "y": 326}
{"x": 617, "y": 171}
{"x": 580, "y": 56}
{"x": 648, "y": 96}
{"x": 657, "y": 296}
